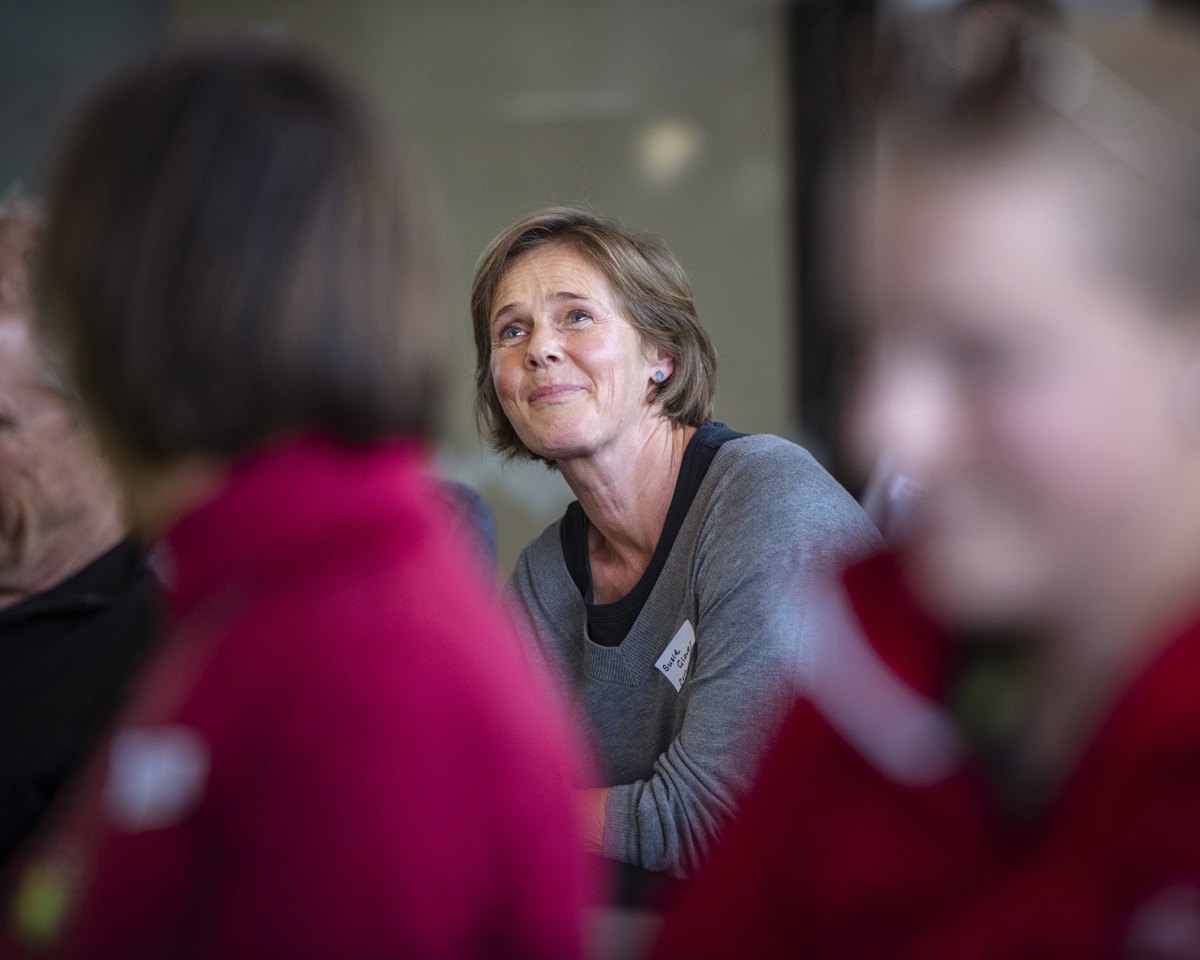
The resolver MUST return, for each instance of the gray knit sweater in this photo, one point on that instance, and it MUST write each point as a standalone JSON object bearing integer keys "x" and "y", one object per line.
{"x": 767, "y": 526}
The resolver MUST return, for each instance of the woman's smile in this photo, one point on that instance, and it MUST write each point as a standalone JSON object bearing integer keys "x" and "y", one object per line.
{"x": 554, "y": 393}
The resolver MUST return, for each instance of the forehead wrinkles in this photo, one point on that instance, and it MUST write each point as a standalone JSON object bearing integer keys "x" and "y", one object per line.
{"x": 552, "y": 274}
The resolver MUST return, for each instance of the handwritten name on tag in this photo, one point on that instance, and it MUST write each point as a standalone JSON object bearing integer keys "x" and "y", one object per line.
{"x": 675, "y": 658}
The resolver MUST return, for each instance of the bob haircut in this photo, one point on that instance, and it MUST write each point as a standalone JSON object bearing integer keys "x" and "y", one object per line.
{"x": 234, "y": 250}
{"x": 651, "y": 290}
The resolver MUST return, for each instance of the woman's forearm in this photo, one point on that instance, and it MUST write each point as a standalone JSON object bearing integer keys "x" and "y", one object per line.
{"x": 591, "y": 805}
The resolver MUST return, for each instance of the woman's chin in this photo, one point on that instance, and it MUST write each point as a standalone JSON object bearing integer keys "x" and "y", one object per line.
{"x": 558, "y": 452}
{"x": 559, "y": 446}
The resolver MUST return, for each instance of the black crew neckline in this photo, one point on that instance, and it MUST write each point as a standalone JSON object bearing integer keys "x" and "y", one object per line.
{"x": 610, "y": 623}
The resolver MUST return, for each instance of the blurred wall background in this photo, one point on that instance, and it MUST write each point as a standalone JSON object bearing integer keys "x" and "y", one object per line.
{"x": 50, "y": 51}
{"x": 682, "y": 117}
{"x": 667, "y": 115}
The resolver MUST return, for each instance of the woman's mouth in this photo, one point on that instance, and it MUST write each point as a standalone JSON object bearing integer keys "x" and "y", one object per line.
{"x": 553, "y": 391}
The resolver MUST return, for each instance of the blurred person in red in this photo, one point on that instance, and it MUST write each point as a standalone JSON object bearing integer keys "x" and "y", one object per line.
{"x": 339, "y": 750}
{"x": 1000, "y": 755}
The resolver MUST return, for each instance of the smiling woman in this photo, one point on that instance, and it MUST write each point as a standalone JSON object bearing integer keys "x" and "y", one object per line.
{"x": 671, "y": 597}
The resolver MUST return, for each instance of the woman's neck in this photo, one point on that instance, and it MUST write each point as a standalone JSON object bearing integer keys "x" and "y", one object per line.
{"x": 625, "y": 492}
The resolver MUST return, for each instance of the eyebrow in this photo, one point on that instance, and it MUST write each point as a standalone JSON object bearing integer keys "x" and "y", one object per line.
{"x": 558, "y": 296}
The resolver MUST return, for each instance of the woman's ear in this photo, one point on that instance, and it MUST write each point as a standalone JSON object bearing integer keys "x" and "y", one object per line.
{"x": 662, "y": 366}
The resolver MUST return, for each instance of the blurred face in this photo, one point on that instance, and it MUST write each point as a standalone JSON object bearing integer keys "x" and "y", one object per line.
{"x": 52, "y": 483}
{"x": 571, "y": 373}
{"x": 1034, "y": 395}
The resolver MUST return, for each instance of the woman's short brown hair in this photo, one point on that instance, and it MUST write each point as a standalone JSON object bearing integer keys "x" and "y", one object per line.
{"x": 650, "y": 287}
{"x": 235, "y": 250}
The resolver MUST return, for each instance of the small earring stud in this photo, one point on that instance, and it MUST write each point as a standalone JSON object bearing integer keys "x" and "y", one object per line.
{"x": 659, "y": 376}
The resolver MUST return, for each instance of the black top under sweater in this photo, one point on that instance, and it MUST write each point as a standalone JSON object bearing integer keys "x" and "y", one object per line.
{"x": 609, "y": 623}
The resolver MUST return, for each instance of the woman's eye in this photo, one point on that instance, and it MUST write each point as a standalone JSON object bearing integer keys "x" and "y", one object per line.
{"x": 578, "y": 316}
{"x": 510, "y": 333}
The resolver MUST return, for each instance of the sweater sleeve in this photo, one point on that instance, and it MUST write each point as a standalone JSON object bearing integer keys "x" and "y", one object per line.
{"x": 779, "y": 528}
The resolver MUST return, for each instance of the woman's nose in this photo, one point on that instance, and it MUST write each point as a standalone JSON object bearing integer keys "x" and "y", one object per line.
{"x": 543, "y": 346}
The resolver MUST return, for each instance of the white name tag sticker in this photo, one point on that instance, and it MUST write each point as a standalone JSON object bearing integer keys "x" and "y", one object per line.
{"x": 675, "y": 659}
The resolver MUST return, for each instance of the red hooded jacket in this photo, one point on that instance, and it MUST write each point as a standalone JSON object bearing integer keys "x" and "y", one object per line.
{"x": 871, "y": 832}
{"x": 339, "y": 751}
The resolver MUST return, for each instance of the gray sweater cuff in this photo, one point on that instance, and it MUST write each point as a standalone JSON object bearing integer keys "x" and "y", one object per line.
{"x": 620, "y": 823}
{"x": 623, "y": 838}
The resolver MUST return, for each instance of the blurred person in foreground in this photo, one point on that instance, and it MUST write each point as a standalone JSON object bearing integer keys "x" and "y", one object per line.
{"x": 339, "y": 750}
{"x": 1000, "y": 757}
{"x": 669, "y": 596}
{"x": 77, "y": 601}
